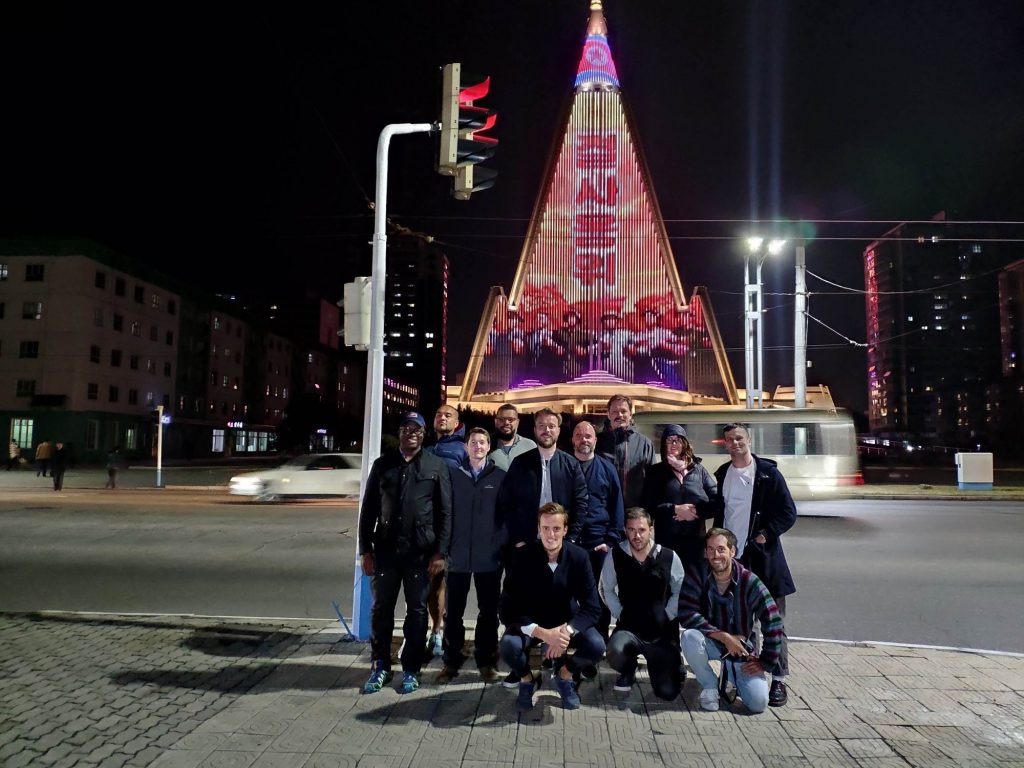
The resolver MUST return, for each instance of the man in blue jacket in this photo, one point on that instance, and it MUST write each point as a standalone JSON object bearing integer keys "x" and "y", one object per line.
{"x": 755, "y": 504}
{"x": 478, "y": 534}
{"x": 404, "y": 533}
{"x": 603, "y": 524}
{"x": 550, "y": 597}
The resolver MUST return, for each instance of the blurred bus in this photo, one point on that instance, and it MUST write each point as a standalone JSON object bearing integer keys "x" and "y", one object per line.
{"x": 816, "y": 450}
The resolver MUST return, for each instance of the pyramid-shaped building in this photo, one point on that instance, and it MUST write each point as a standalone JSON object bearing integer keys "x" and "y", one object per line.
{"x": 597, "y": 305}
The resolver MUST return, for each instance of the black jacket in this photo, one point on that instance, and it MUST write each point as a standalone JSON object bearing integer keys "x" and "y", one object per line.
{"x": 519, "y": 499}
{"x": 662, "y": 491}
{"x": 534, "y": 594}
{"x": 772, "y": 512}
{"x": 407, "y": 507}
{"x": 478, "y": 531}
{"x": 632, "y": 454}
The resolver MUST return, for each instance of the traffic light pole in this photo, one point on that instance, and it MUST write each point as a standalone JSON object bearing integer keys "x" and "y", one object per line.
{"x": 374, "y": 411}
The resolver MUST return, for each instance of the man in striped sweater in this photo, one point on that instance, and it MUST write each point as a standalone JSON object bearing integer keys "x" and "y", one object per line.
{"x": 719, "y": 603}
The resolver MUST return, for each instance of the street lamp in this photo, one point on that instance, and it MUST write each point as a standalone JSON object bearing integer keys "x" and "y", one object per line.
{"x": 753, "y": 311}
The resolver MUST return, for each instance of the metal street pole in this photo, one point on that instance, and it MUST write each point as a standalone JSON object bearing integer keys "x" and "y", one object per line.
{"x": 749, "y": 317}
{"x": 373, "y": 415}
{"x": 159, "y": 446}
{"x": 760, "y": 336}
{"x": 800, "y": 332}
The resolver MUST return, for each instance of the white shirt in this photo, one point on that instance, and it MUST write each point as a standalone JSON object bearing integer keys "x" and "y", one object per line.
{"x": 738, "y": 493}
{"x": 545, "y": 482}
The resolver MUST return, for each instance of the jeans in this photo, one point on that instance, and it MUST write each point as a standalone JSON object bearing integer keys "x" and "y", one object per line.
{"x": 390, "y": 574}
{"x": 485, "y": 639}
{"x": 698, "y": 649}
{"x": 662, "y": 661}
{"x": 588, "y": 645}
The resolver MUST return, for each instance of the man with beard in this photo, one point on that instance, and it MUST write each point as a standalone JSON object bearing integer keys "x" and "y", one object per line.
{"x": 448, "y": 445}
{"x": 508, "y": 443}
{"x": 404, "y": 534}
{"x": 602, "y": 527}
{"x": 640, "y": 584}
{"x": 630, "y": 452}
{"x": 756, "y": 505}
{"x": 718, "y": 605}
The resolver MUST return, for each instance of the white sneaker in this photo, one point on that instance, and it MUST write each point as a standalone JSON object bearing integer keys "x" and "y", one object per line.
{"x": 435, "y": 646}
{"x": 709, "y": 699}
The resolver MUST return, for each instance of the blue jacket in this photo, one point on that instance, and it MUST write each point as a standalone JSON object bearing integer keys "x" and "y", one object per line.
{"x": 772, "y": 512}
{"x": 519, "y": 498}
{"x": 451, "y": 448}
{"x": 478, "y": 530}
{"x": 605, "y": 516}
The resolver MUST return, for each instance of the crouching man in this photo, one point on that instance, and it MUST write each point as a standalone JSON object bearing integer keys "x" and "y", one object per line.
{"x": 550, "y": 597}
{"x": 640, "y": 583}
{"x": 719, "y": 604}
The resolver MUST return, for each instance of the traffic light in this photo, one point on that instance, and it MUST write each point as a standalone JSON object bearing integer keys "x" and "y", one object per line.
{"x": 463, "y": 123}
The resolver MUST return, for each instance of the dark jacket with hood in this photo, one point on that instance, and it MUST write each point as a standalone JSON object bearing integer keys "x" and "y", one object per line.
{"x": 772, "y": 512}
{"x": 478, "y": 530}
{"x": 407, "y": 507}
{"x": 451, "y": 448}
{"x": 662, "y": 491}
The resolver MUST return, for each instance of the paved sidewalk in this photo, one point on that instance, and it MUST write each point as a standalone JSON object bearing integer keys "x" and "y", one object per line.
{"x": 82, "y": 690}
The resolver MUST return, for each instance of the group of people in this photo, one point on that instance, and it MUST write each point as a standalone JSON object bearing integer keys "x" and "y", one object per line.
{"x": 559, "y": 544}
{"x": 553, "y": 352}
{"x": 52, "y": 459}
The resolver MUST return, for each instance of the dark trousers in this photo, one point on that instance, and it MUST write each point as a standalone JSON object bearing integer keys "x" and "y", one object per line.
{"x": 784, "y": 647}
{"x": 391, "y": 574}
{"x": 58, "y": 478}
{"x": 588, "y": 646}
{"x": 485, "y": 638}
{"x": 663, "y": 661}
{"x": 42, "y": 466}
{"x": 605, "y": 619}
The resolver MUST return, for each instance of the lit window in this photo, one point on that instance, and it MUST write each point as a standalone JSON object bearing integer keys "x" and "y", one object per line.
{"x": 155, "y": 301}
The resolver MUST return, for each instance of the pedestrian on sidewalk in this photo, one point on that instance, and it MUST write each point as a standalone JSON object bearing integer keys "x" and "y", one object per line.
{"x": 43, "y": 452}
{"x": 115, "y": 462}
{"x": 58, "y": 465}
{"x": 13, "y": 455}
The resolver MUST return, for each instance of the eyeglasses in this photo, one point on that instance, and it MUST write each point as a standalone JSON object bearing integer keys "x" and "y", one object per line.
{"x": 506, "y": 419}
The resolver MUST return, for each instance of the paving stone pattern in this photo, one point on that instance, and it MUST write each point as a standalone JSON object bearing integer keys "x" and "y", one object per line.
{"x": 129, "y": 692}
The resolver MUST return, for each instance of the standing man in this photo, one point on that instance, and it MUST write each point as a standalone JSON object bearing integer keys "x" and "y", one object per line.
{"x": 478, "y": 534}
{"x": 630, "y": 452}
{"x": 640, "y": 583}
{"x": 539, "y": 476}
{"x": 508, "y": 443}
{"x": 550, "y": 598}
{"x": 718, "y": 605}
{"x": 404, "y": 532}
{"x": 448, "y": 445}
{"x": 43, "y": 452}
{"x": 58, "y": 465}
{"x": 755, "y": 504}
{"x": 602, "y": 526}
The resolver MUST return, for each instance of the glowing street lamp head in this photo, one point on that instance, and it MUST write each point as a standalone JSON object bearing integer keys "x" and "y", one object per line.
{"x": 775, "y": 247}
{"x": 754, "y": 244}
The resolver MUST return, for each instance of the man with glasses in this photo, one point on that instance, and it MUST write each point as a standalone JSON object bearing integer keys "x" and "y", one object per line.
{"x": 404, "y": 536}
{"x": 755, "y": 504}
{"x": 508, "y": 443}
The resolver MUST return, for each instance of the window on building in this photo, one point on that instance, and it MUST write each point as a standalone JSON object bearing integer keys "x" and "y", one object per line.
{"x": 237, "y": 383}
{"x": 224, "y": 382}
{"x": 167, "y": 369}
{"x": 133, "y": 362}
{"x": 113, "y": 393}
{"x": 2, "y": 305}
{"x": 118, "y": 322}
{"x": 21, "y": 432}
{"x": 3, "y": 271}
{"x": 154, "y": 302}
{"x": 34, "y": 273}
{"x": 216, "y": 323}
{"x": 115, "y": 358}
{"x": 172, "y": 307}
{"x": 150, "y": 365}
{"x": 92, "y": 435}
{"x": 32, "y": 310}
{"x": 149, "y": 399}
{"x": 169, "y": 338}
{"x": 101, "y": 279}
{"x": 227, "y": 328}
{"x": 28, "y": 349}
{"x": 92, "y": 391}
{"x": 131, "y": 437}
{"x": 140, "y": 294}
{"x": 217, "y": 446}
{"x": 227, "y": 353}
{"x": 133, "y": 397}
{"x": 154, "y": 334}
{"x": 25, "y": 388}
{"x": 94, "y": 353}
{"x": 119, "y": 286}
{"x": 97, "y": 317}
{"x": 136, "y": 328}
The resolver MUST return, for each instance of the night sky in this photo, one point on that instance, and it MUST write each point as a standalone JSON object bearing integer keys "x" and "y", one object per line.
{"x": 236, "y": 150}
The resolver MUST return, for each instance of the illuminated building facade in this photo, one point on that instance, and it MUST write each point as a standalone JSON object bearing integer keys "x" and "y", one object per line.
{"x": 597, "y": 305}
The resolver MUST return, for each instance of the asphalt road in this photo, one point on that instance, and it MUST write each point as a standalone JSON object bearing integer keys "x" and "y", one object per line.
{"x": 942, "y": 573}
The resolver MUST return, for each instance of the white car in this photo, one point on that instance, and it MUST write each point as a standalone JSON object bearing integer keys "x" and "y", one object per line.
{"x": 318, "y": 474}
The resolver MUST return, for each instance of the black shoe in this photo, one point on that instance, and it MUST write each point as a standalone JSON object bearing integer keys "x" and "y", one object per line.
{"x": 511, "y": 681}
{"x": 777, "y": 694}
{"x": 524, "y": 701}
{"x": 589, "y": 672}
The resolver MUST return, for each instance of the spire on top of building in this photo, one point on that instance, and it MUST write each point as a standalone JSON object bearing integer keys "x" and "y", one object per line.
{"x": 596, "y": 71}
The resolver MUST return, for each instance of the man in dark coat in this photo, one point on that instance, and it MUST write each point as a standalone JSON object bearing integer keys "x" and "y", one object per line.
{"x": 550, "y": 597}
{"x": 631, "y": 452}
{"x": 478, "y": 534}
{"x": 58, "y": 465}
{"x": 404, "y": 533}
{"x": 754, "y": 503}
